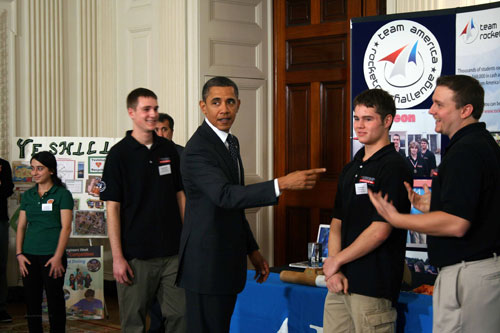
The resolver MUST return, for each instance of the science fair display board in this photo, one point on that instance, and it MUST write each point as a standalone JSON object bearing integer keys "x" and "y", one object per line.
{"x": 405, "y": 54}
{"x": 80, "y": 162}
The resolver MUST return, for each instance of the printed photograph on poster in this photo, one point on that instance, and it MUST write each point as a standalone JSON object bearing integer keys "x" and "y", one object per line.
{"x": 66, "y": 169}
{"x": 97, "y": 204}
{"x": 418, "y": 262}
{"x": 419, "y": 143}
{"x": 83, "y": 285}
{"x": 76, "y": 204}
{"x": 417, "y": 240}
{"x": 81, "y": 169}
{"x": 74, "y": 185}
{"x": 96, "y": 164}
{"x": 21, "y": 172}
{"x": 89, "y": 223}
{"x": 93, "y": 186}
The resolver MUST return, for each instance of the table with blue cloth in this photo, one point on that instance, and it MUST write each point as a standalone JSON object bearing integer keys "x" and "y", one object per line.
{"x": 276, "y": 305}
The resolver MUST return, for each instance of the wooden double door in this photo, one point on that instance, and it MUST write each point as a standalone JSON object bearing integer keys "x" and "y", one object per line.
{"x": 312, "y": 125}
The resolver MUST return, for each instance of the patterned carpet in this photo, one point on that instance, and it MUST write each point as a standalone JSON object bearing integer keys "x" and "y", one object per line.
{"x": 74, "y": 326}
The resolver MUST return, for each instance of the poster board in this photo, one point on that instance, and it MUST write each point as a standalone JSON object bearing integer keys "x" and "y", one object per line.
{"x": 80, "y": 162}
{"x": 84, "y": 283}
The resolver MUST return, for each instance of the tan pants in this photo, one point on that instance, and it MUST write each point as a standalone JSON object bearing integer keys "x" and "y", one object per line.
{"x": 467, "y": 297}
{"x": 152, "y": 277}
{"x": 358, "y": 313}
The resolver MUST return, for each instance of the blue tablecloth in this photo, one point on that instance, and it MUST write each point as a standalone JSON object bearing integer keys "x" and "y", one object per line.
{"x": 269, "y": 306}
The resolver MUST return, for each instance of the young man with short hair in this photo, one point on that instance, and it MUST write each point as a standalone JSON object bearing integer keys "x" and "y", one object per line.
{"x": 396, "y": 139}
{"x": 364, "y": 268}
{"x": 428, "y": 156}
{"x": 460, "y": 215}
{"x": 145, "y": 207}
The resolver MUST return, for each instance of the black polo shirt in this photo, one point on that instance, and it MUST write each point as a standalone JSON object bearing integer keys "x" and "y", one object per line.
{"x": 468, "y": 185}
{"x": 418, "y": 167}
{"x": 145, "y": 182}
{"x": 379, "y": 273}
{"x": 430, "y": 159}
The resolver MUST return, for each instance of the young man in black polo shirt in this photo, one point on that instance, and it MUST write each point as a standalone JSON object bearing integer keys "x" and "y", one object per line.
{"x": 461, "y": 218}
{"x": 145, "y": 205}
{"x": 428, "y": 156}
{"x": 396, "y": 139}
{"x": 364, "y": 269}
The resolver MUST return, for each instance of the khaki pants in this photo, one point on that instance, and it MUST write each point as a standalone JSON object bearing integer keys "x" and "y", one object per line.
{"x": 153, "y": 277}
{"x": 358, "y": 313}
{"x": 467, "y": 297}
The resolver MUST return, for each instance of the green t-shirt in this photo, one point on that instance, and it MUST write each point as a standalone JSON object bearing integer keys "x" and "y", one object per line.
{"x": 43, "y": 217}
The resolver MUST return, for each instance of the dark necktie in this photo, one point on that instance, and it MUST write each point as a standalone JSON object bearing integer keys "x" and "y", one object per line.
{"x": 232, "y": 143}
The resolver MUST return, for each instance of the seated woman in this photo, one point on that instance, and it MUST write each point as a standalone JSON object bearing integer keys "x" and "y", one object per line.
{"x": 42, "y": 234}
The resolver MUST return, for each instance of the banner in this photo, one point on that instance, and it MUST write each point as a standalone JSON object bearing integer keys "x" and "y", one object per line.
{"x": 84, "y": 283}
{"x": 478, "y": 47}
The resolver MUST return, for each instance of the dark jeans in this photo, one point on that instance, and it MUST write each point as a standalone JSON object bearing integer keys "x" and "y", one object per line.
{"x": 37, "y": 279}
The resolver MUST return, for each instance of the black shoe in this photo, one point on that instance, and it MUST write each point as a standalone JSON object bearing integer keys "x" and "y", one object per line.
{"x": 5, "y": 317}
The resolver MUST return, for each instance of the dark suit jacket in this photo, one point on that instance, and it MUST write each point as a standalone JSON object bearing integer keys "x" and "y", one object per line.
{"x": 216, "y": 236}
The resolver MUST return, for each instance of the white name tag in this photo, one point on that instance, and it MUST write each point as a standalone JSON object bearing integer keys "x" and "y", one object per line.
{"x": 361, "y": 188}
{"x": 47, "y": 207}
{"x": 164, "y": 170}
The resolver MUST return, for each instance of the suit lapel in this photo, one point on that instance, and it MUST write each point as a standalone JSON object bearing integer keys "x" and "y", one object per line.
{"x": 223, "y": 153}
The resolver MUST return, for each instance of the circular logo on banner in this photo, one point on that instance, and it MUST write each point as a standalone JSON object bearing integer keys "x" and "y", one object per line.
{"x": 403, "y": 58}
{"x": 469, "y": 32}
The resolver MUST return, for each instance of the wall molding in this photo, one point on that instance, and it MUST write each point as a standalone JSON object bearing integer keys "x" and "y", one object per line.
{"x": 4, "y": 85}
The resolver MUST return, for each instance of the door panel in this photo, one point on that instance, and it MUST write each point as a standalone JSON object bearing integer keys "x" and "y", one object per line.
{"x": 312, "y": 110}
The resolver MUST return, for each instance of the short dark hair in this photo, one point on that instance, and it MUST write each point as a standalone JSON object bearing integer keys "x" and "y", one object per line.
{"x": 50, "y": 162}
{"x": 218, "y": 81}
{"x": 89, "y": 293}
{"x": 134, "y": 95}
{"x": 424, "y": 140}
{"x": 396, "y": 134}
{"x": 379, "y": 99}
{"x": 163, "y": 116}
{"x": 467, "y": 90}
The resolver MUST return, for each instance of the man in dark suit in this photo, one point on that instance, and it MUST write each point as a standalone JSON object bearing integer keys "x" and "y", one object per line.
{"x": 216, "y": 237}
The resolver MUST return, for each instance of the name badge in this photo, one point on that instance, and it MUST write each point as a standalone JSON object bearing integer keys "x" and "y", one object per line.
{"x": 361, "y": 188}
{"x": 164, "y": 170}
{"x": 46, "y": 207}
